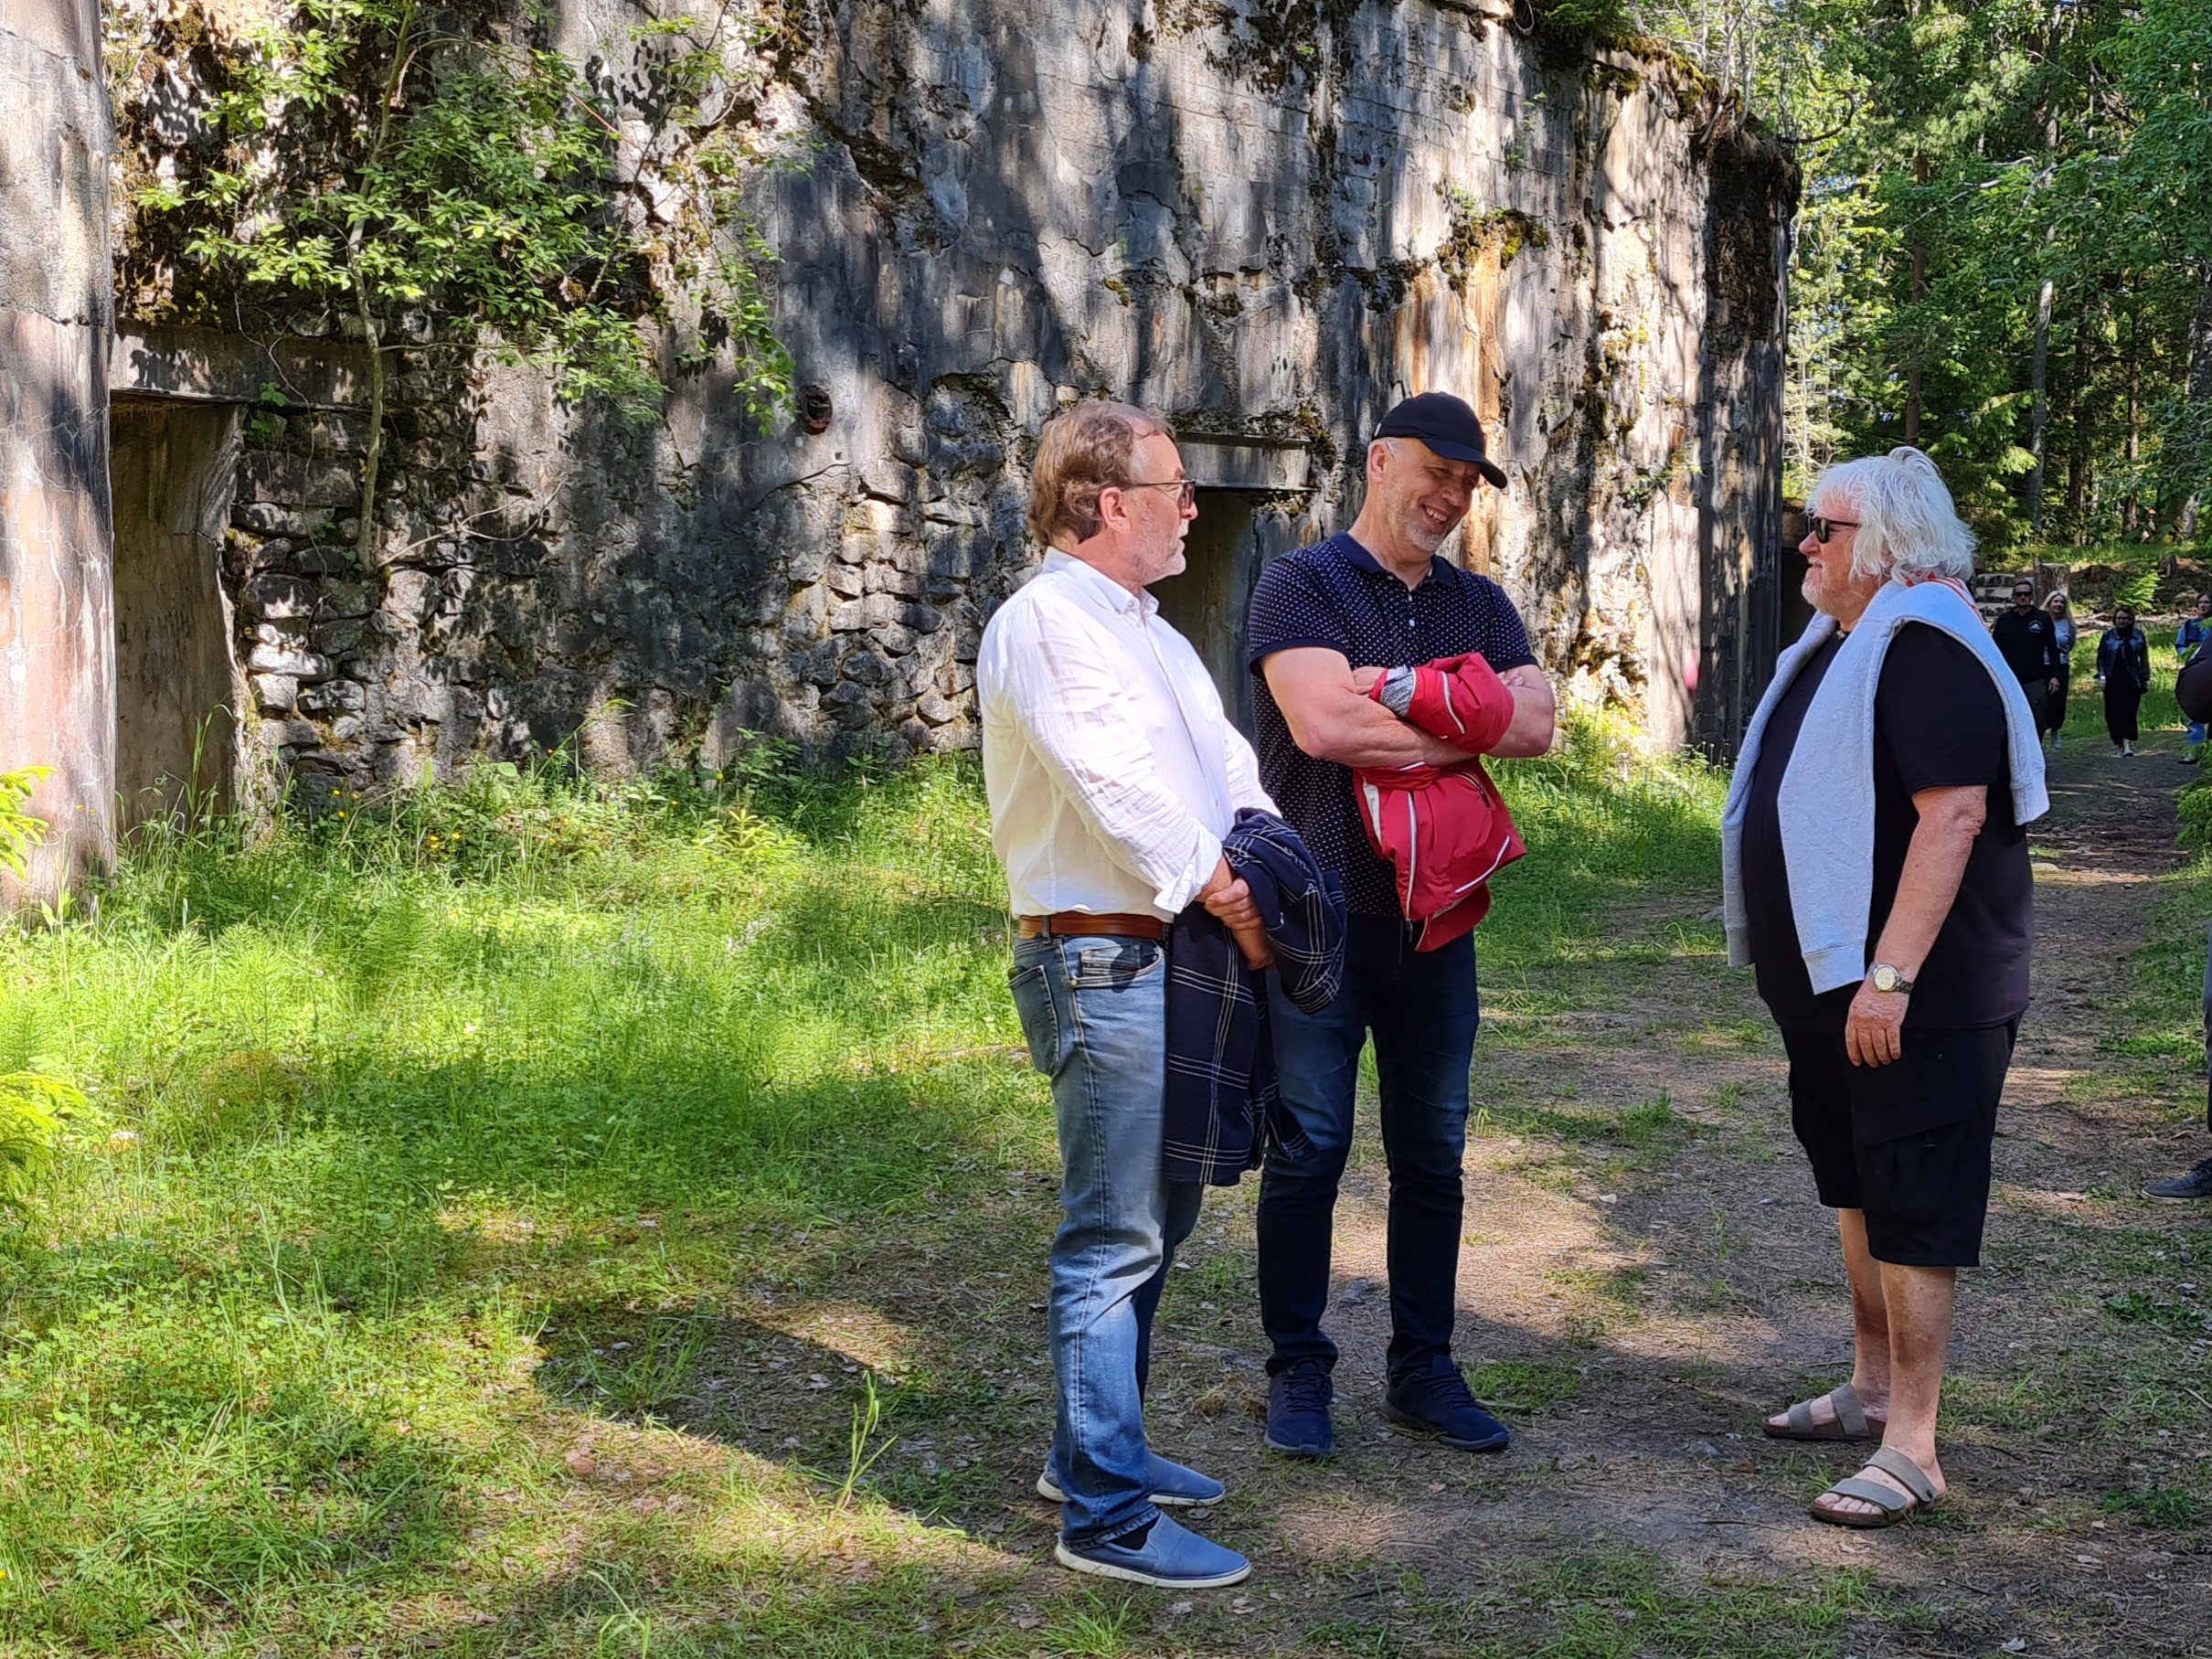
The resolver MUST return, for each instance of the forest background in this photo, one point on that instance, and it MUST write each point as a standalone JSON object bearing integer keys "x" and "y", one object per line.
{"x": 2004, "y": 250}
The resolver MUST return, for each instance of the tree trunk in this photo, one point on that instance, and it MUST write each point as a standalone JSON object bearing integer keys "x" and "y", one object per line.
{"x": 2198, "y": 413}
{"x": 2080, "y": 465}
{"x": 1919, "y": 293}
{"x": 2040, "y": 380}
{"x": 2040, "y": 434}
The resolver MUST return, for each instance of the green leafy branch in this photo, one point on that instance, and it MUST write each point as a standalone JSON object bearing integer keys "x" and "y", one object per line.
{"x": 20, "y": 832}
{"x": 453, "y": 183}
{"x": 36, "y": 1114}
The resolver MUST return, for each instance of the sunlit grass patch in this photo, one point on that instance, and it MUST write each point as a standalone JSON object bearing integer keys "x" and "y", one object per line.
{"x": 1520, "y": 1385}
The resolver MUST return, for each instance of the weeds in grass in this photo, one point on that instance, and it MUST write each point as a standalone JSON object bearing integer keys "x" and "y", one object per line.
{"x": 1639, "y": 1128}
{"x": 1523, "y": 1386}
{"x": 2155, "y": 1506}
{"x": 643, "y": 1379}
{"x": 38, "y": 1114}
{"x": 862, "y": 1451}
{"x": 1092, "y": 1630}
{"x": 2142, "y": 1307}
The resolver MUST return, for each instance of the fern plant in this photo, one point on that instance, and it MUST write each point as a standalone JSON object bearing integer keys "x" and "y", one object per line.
{"x": 20, "y": 832}
{"x": 37, "y": 1116}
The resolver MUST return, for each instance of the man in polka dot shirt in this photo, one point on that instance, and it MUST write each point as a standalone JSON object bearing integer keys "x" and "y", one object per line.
{"x": 1326, "y": 621}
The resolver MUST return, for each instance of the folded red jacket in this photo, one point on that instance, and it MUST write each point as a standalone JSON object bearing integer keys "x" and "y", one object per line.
{"x": 1444, "y": 832}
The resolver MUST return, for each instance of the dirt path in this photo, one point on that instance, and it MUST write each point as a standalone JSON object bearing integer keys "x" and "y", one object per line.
{"x": 1690, "y": 1284}
{"x": 1646, "y": 1273}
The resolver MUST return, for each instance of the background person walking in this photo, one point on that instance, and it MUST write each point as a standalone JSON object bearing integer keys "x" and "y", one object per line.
{"x": 2123, "y": 672}
{"x": 2024, "y": 640}
{"x": 2062, "y": 641}
{"x": 2189, "y": 640}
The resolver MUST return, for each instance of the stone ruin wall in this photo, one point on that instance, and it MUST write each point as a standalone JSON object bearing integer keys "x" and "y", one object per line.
{"x": 1268, "y": 231}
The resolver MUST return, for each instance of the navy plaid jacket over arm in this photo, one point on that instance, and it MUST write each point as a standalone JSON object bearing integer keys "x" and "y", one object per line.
{"x": 1221, "y": 1104}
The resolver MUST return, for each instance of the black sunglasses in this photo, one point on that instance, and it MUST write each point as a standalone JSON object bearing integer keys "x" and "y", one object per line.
{"x": 1825, "y": 528}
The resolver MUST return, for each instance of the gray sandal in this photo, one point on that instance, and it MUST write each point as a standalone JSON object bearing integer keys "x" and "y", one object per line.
{"x": 1895, "y": 1506}
{"x": 1849, "y": 1423}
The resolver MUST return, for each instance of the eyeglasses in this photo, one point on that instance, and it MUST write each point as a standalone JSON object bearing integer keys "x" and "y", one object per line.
{"x": 1825, "y": 528}
{"x": 1186, "y": 490}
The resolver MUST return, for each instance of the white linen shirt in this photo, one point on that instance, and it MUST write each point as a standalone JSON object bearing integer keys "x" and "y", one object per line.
{"x": 1112, "y": 771}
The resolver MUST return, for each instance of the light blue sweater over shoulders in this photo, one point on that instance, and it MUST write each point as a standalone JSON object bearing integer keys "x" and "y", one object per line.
{"x": 1826, "y": 798}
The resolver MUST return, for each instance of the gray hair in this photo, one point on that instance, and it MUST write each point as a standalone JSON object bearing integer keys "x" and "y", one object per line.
{"x": 1908, "y": 529}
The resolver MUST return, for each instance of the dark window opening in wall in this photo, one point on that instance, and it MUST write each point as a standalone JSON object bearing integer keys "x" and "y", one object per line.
{"x": 172, "y": 468}
{"x": 1207, "y": 603}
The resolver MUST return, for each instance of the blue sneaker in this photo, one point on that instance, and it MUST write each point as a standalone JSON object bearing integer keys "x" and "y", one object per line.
{"x": 1172, "y": 1556}
{"x": 1438, "y": 1402}
{"x": 1298, "y": 1411}
{"x": 1173, "y": 1486}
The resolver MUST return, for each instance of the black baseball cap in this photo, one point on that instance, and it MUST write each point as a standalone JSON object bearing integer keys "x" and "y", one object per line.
{"x": 1446, "y": 425}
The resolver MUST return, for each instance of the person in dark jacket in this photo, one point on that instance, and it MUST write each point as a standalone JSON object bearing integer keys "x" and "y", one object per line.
{"x": 2025, "y": 642}
{"x": 2124, "y": 671}
{"x": 2062, "y": 641}
{"x": 2189, "y": 640}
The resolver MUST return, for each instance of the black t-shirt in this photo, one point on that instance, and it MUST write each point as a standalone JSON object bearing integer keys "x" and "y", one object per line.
{"x": 1938, "y": 722}
{"x": 1335, "y": 595}
{"x": 2026, "y": 643}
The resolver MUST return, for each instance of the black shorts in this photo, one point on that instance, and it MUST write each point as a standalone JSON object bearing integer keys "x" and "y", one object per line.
{"x": 1908, "y": 1143}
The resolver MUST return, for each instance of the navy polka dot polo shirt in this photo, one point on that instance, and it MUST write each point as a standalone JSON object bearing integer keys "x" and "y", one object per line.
{"x": 1336, "y": 596}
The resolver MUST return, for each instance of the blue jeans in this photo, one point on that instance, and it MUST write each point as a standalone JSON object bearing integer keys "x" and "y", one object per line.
{"x": 1095, "y": 1012}
{"x": 1423, "y": 1010}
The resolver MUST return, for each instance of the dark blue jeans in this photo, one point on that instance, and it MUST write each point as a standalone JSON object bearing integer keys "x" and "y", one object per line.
{"x": 1423, "y": 1010}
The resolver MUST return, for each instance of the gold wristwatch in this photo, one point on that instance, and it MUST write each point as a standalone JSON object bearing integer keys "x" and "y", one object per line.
{"x": 1884, "y": 977}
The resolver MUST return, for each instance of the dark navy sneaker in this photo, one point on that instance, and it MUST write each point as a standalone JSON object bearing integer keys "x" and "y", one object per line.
{"x": 1172, "y": 1485}
{"x": 1168, "y": 1555}
{"x": 1438, "y": 1402}
{"x": 2197, "y": 1184}
{"x": 1298, "y": 1411}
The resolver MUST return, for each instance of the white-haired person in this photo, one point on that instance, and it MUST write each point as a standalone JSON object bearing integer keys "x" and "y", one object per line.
{"x": 1876, "y": 878}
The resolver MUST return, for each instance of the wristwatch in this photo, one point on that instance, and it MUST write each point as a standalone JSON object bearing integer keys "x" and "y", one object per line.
{"x": 1887, "y": 979}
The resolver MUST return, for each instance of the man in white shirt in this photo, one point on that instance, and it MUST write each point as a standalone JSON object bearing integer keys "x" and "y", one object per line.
{"x": 1112, "y": 775}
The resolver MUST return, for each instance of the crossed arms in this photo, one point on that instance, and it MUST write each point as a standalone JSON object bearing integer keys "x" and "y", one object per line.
{"x": 1325, "y": 701}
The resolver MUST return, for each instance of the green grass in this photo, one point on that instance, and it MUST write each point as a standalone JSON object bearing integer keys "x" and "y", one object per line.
{"x": 1607, "y": 827}
{"x": 444, "y": 1135}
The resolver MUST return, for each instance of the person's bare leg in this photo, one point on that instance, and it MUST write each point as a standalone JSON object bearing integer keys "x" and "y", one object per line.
{"x": 1919, "y": 1301}
{"x": 1870, "y": 1328}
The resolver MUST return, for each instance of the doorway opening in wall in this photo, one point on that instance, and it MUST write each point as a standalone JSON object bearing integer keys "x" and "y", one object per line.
{"x": 1207, "y": 603}
{"x": 172, "y": 468}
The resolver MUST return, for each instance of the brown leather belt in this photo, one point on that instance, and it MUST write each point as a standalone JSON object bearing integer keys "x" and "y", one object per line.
{"x": 1064, "y": 924}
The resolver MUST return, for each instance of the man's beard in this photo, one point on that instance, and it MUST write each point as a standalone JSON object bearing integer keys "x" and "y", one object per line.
{"x": 1418, "y": 530}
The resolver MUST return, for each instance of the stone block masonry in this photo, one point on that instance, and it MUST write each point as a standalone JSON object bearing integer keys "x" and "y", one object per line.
{"x": 1267, "y": 225}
